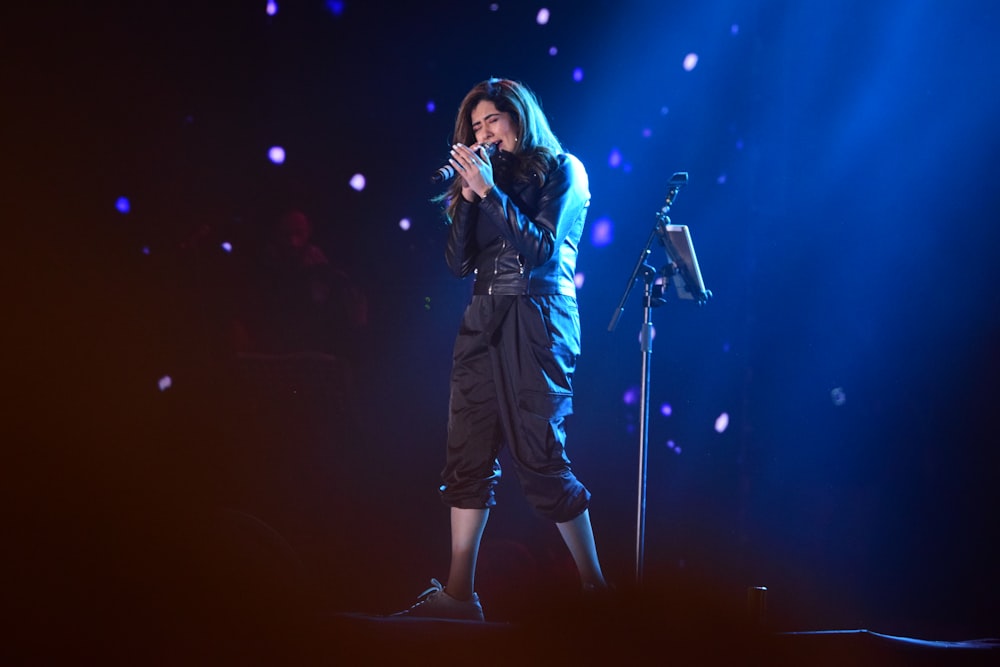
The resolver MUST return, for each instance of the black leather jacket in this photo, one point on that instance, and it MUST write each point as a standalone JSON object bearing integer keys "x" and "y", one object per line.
{"x": 522, "y": 238}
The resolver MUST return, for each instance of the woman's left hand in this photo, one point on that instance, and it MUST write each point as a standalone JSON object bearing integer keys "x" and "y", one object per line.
{"x": 474, "y": 168}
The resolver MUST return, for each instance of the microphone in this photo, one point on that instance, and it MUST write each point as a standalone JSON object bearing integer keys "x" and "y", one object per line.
{"x": 447, "y": 172}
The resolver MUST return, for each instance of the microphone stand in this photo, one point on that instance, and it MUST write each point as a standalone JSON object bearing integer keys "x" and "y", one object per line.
{"x": 652, "y": 296}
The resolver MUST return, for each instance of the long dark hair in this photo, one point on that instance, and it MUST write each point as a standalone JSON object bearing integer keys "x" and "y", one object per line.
{"x": 537, "y": 147}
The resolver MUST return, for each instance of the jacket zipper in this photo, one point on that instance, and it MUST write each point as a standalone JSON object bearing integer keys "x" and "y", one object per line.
{"x": 496, "y": 264}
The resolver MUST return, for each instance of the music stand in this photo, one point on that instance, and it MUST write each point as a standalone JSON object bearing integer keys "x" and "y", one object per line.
{"x": 682, "y": 262}
{"x": 676, "y": 240}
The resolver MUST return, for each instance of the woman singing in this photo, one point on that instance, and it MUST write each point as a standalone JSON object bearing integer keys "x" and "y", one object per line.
{"x": 517, "y": 209}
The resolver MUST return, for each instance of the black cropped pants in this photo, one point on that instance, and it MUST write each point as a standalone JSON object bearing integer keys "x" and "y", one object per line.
{"x": 511, "y": 385}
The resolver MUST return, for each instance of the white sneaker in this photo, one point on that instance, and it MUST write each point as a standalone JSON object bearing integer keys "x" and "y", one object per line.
{"x": 435, "y": 603}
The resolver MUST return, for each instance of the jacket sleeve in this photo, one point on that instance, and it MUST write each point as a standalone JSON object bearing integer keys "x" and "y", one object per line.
{"x": 563, "y": 199}
{"x": 460, "y": 250}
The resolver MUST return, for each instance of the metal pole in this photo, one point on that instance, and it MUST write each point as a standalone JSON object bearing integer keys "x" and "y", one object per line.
{"x": 646, "y": 341}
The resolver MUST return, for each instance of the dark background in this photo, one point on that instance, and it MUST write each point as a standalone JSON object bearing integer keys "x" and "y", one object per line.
{"x": 842, "y": 202}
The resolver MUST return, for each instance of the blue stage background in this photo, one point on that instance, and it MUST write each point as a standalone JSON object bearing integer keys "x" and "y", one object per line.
{"x": 842, "y": 202}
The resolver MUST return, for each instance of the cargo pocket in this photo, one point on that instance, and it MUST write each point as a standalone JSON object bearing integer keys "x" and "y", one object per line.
{"x": 550, "y": 406}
